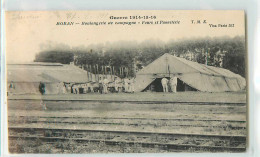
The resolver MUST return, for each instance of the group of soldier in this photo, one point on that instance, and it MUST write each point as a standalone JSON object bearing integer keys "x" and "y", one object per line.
{"x": 105, "y": 86}
{"x": 172, "y": 83}
{"x": 126, "y": 85}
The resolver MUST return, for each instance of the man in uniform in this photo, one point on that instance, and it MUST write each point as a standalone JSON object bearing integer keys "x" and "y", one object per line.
{"x": 131, "y": 85}
{"x": 74, "y": 89}
{"x": 105, "y": 86}
{"x": 90, "y": 87}
{"x": 164, "y": 82}
{"x": 173, "y": 84}
{"x": 116, "y": 84}
{"x": 42, "y": 88}
{"x": 126, "y": 85}
{"x": 100, "y": 85}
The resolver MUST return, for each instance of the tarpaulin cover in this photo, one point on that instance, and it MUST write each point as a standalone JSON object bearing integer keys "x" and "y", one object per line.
{"x": 199, "y": 76}
{"x": 27, "y": 77}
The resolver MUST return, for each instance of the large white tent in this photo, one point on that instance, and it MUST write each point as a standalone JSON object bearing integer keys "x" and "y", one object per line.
{"x": 197, "y": 76}
{"x": 26, "y": 77}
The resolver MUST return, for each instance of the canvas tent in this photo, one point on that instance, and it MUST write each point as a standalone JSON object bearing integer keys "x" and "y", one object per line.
{"x": 193, "y": 75}
{"x": 25, "y": 78}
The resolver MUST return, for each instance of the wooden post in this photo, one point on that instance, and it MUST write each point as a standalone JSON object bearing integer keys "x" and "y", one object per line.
{"x": 90, "y": 69}
{"x": 110, "y": 72}
{"x": 134, "y": 68}
{"x": 103, "y": 72}
{"x": 114, "y": 71}
{"x": 94, "y": 72}
{"x": 88, "y": 72}
{"x": 97, "y": 72}
{"x": 106, "y": 71}
{"x": 126, "y": 72}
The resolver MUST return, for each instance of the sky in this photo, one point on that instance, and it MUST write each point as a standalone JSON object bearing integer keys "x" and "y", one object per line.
{"x": 29, "y": 32}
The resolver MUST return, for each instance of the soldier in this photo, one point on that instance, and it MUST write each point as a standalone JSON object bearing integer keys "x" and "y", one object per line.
{"x": 100, "y": 86}
{"x": 173, "y": 84}
{"x": 164, "y": 82}
{"x": 75, "y": 89}
{"x": 116, "y": 84}
{"x": 126, "y": 86}
{"x": 42, "y": 88}
{"x": 69, "y": 89}
{"x": 131, "y": 85}
{"x": 85, "y": 88}
{"x": 105, "y": 85}
{"x": 92, "y": 88}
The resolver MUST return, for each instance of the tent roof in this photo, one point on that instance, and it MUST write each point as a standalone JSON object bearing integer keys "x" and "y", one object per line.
{"x": 171, "y": 64}
{"x": 47, "y": 72}
{"x": 198, "y": 76}
{"x": 206, "y": 69}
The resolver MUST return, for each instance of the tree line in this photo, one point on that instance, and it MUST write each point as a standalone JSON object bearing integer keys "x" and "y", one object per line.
{"x": 123, "y": 58}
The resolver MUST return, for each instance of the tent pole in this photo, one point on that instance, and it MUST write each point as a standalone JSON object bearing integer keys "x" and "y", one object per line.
{"x": 166, "y": 59}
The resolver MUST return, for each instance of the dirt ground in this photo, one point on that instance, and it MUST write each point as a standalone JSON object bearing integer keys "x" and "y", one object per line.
{"x": 228, "y": 97}
{"x": 161, "y": 117}
{"x": 201, "y": 113}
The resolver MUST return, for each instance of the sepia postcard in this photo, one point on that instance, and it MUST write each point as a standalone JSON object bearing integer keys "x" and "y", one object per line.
{"x": 153, "y": 81}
